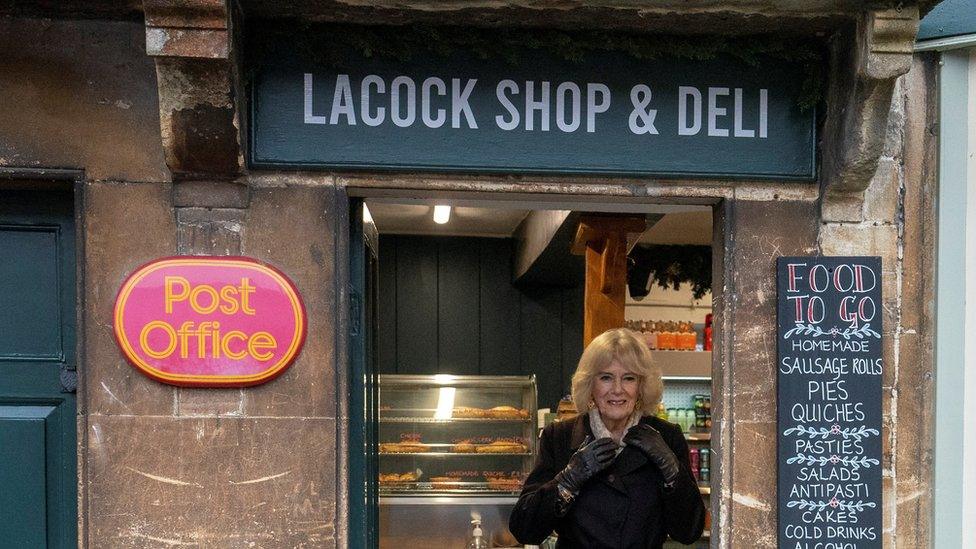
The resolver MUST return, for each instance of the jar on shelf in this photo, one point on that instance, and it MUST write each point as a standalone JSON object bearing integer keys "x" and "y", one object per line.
{"x": 687, "y": 337}
{"x": 651, "y": 335}
{"x": 665, "y": 337}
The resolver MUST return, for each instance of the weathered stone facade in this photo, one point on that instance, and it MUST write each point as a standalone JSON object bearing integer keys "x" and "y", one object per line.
{"x": 162, "y": 153}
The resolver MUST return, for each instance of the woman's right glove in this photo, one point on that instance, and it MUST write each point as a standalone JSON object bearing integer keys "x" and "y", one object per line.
{"x": 590, "y": 459}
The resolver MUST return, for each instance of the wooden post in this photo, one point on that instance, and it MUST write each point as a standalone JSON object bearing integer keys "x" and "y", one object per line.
{"x": 603, "y": 240}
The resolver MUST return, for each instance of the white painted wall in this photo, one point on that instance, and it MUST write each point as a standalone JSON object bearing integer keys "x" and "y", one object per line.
{"x": 969, "y": 406}
{"x": 955, "y": 353}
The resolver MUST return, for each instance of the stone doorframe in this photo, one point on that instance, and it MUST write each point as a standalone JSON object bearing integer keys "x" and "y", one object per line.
{"x": 753, "y": 223}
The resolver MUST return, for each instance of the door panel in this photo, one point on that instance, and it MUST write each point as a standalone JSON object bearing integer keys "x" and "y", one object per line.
{"x": 23, "y": 454}
{"x": 30, "y": 325}
{"x": 37, "y": 416}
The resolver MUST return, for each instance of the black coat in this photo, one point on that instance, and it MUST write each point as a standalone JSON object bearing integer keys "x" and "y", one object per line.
{"x": 623, "y": 506}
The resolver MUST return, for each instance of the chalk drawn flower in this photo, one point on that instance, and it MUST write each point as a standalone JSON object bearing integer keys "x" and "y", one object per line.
{"x": 834, "y": 459}
{"x": 834, "y": 503}
{"x": 835, "y": 429}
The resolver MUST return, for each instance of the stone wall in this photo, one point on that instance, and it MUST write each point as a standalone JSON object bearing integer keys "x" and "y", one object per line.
{"x": 209, "y": 467}
{"x": 895, "y": 219}
{"x": 229, "y": 468}
{"x": 79, "y": 94}
{"x": 158, "y": 465}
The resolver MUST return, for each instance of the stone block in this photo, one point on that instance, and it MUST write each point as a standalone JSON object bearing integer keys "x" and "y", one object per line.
{"x": 882, "y": 197}
{"x": 754, "y": 485}
{"x": 194, "y": 401}
{"x": 861, "y": 239}
{"x": 918, "y": 267}
{"x": 751, "y": 397}
{"x": 888, "y": 508}
{"x": 197, "y": 117}
{"x": 210, "y": 194}
{"x": 203, "y": 14}
{"x": 889, "y": 361}
{"x": 294, "y": 229}
{"x": 204, "y": 231}
{"x": 84, "y": 97}
{"x": 920, "y": 185}
{"x": 839, "y": 207}
{"x": 913, "y": 509}
{"x": 760, "y": 232}
{"x": 126, "y": 225}
{"x": 202, "y": 43}
{"x": 895, "y": 129}
{"x": 860, "y": 97}
{"x": 914, "y": 455}
{"x": 889, "y": 429}
{"x": 221, "y": 483}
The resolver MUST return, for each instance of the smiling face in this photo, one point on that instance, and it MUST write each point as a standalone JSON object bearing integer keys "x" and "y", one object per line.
{"x": 615, "y": 392}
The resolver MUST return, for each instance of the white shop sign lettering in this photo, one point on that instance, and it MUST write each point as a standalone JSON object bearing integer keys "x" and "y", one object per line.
{"x": 531, "y": 105}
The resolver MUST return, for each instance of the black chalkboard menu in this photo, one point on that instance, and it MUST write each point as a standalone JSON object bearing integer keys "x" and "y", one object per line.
{"x": 829, "y": 402}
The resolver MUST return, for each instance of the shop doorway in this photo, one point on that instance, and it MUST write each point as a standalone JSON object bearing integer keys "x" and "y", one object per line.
{"x": 459, "y": 306}
{"x": 37, "y": 359}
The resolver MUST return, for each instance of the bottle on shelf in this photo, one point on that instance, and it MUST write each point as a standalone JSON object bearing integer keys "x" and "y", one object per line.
{"x": 672, "y": 335}
{"x": 650, "y": 336}
{"x": 665, "y": 337}
{"x": 699, "y": 412}
{"x": 662, "y": 413}
{"x": 688, "y": 338}
{"x": 477, "y": 540}
{"x": 707, "y": 344}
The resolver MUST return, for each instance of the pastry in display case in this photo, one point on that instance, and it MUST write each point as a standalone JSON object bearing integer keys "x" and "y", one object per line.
{"x": 455, "y": 435}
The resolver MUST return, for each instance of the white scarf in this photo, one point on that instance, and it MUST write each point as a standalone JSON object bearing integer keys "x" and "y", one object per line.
{"x": 600, "y": 429}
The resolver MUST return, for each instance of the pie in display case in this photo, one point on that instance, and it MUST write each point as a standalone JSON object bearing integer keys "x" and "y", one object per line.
{"x": 443, "y": 435}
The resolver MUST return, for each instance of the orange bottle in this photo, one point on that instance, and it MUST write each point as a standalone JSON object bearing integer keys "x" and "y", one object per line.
{"x": 688, "y": 337}
{"x": 665, "y": 338}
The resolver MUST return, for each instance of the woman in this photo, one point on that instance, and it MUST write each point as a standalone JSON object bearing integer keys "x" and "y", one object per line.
{"x": 616, "y": 476}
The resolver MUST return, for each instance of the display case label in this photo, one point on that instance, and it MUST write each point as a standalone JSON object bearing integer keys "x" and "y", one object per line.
{"x": 209, "y": 321}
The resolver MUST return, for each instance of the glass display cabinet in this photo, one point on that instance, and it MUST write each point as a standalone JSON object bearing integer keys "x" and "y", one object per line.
{"x": 464, "y": 435}
{"x": 452, "y": 448}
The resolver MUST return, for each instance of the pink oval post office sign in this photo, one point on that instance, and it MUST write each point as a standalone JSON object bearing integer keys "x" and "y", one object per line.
{"x": 209, "y": 321}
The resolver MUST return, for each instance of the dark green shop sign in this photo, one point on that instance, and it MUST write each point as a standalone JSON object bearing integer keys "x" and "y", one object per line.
{"x": 609, "y": 115}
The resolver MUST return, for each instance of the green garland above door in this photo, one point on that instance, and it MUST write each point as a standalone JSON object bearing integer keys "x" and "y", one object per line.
{"x": 669, "y": 266}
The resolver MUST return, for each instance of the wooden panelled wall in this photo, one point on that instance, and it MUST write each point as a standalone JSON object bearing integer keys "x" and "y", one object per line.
{"x": 447, "y": 305}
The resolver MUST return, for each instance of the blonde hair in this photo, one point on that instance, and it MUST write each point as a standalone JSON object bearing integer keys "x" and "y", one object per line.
{"x": 630, "y": 350}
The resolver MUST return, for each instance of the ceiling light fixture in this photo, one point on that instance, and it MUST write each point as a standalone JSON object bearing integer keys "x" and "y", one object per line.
{"x": 442, "y": 214}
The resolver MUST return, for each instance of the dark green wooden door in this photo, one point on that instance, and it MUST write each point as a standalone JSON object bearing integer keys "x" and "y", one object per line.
{"x": 363, "y": 389}
{"x": 37, "y": 342}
